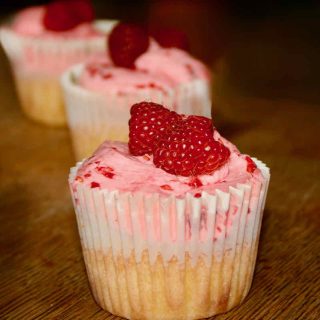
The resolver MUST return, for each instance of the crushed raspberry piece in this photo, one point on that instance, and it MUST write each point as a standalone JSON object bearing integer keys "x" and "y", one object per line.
{"x": 153, "y": 85}
{"x": 106, "y": 171}
{"x": 87, "y": 175}
{"x": 195, "y": 183}
{"x": 166, "y": 187}
{"x": 92, "y": 70}
{"x": 251, "y": 166}
{"x": 107, "y": 76}
{"x": 126, "y": 43}
{"x": 190, "y": 70}
{"x": 197, "y": 195}
{"x": 95, "y": 184}
{"x": 65, "y": 15}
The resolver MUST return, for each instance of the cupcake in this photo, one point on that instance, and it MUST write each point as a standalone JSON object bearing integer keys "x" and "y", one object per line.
{"x": 42, "y": 42}
{"x": 99, "y": 93}
{"x": 169, "y": 224}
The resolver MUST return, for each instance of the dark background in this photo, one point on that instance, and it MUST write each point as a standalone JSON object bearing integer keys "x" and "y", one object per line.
{"x": 265, "y": 48}
{"x": 265, "y": 56}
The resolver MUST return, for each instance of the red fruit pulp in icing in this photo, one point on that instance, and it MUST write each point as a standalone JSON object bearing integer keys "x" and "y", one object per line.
{"x": 106, "y": 171}
{"x": 251, "y": 166}
{"x": 126, "y": 43}
{"x": 195, "y": 182}
{"x": 95, "y": 184}
{"x": 65, "y": 15}
{"x": 166, "y": 187}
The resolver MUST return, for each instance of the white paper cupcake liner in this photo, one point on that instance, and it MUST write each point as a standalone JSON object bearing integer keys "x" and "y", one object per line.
{"x": 205, "y": 246}
{"x": 37, "y": 64}
{"x": 194, "y": 98}
{"x": 95, "y": 117}
{"x": 52, "y": 55}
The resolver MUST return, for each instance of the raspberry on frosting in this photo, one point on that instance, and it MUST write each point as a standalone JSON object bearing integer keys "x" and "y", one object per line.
{"x": 148, "y": 121}
{"x": 63, "y": 15}
{"x": 181, "y": 145}
{"x": 188, "y": 152}
{"x": 126, "y": 43}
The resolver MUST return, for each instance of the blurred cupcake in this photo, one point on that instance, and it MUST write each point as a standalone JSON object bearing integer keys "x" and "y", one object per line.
{"x": 169, "y": 226}
{"x": 42, "y": 42}
{"x": 99, "y": 93}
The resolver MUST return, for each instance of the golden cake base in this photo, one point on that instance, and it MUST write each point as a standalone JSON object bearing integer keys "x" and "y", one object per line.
{"x": 41, "y": 99}
{"x": 169, "y": 291}
{"x": 86, "y": 140}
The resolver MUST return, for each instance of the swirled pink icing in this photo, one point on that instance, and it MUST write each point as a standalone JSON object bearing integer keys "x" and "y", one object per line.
{"x": 175, "y": 64}
{"x": 162, "y": 67}
{"x": 112, "y": 167}
{"x": 101, "y": 76}
{"x": 29, "y": 22}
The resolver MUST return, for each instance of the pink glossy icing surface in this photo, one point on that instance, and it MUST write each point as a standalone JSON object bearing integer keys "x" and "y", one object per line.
{"x": 29, "y": 22}
{"x": 175, "y": 64}
{"x": 102, "y": 76}
{"x": 164, "y": 67}
{"x": 113, "y": 168}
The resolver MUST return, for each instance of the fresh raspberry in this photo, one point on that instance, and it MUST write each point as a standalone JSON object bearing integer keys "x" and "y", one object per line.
{"x": 82, "y": 9}
{"x": 171, "y": 38}
{"x": 65, "y": 15}
{"x": 198, "y": 123}
{"x": 251, "y": 166}
{"x": 187, "y": 151}
{"x": 126, "y": 43}
{"x": 148, "y": 121}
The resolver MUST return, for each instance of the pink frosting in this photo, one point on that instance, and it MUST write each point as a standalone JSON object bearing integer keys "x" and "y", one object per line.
{"x": 113, "y": 168}
{"x": 29, "y": 22}
{"x": 165, "y": 68}
{"x": 175, "y": 64}
{"x": 101, "y": 76}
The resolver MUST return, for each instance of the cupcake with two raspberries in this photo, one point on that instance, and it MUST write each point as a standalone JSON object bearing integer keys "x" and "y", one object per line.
{"x": 99, "y": 93}
{"x": 169, "y": 223}
{"x": 41, "y": 43}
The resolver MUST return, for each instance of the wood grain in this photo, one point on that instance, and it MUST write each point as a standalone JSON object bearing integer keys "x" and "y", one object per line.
{"x": 41, "y": 267}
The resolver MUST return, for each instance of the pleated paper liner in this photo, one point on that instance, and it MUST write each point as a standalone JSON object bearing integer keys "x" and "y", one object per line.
{"x": 38, "y": 63}
{"x": 194, "y": 98}
{"x": 154, "y": 257}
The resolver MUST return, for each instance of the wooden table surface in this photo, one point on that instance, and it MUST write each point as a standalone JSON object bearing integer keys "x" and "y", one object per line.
{"x": 42, "y": 274}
